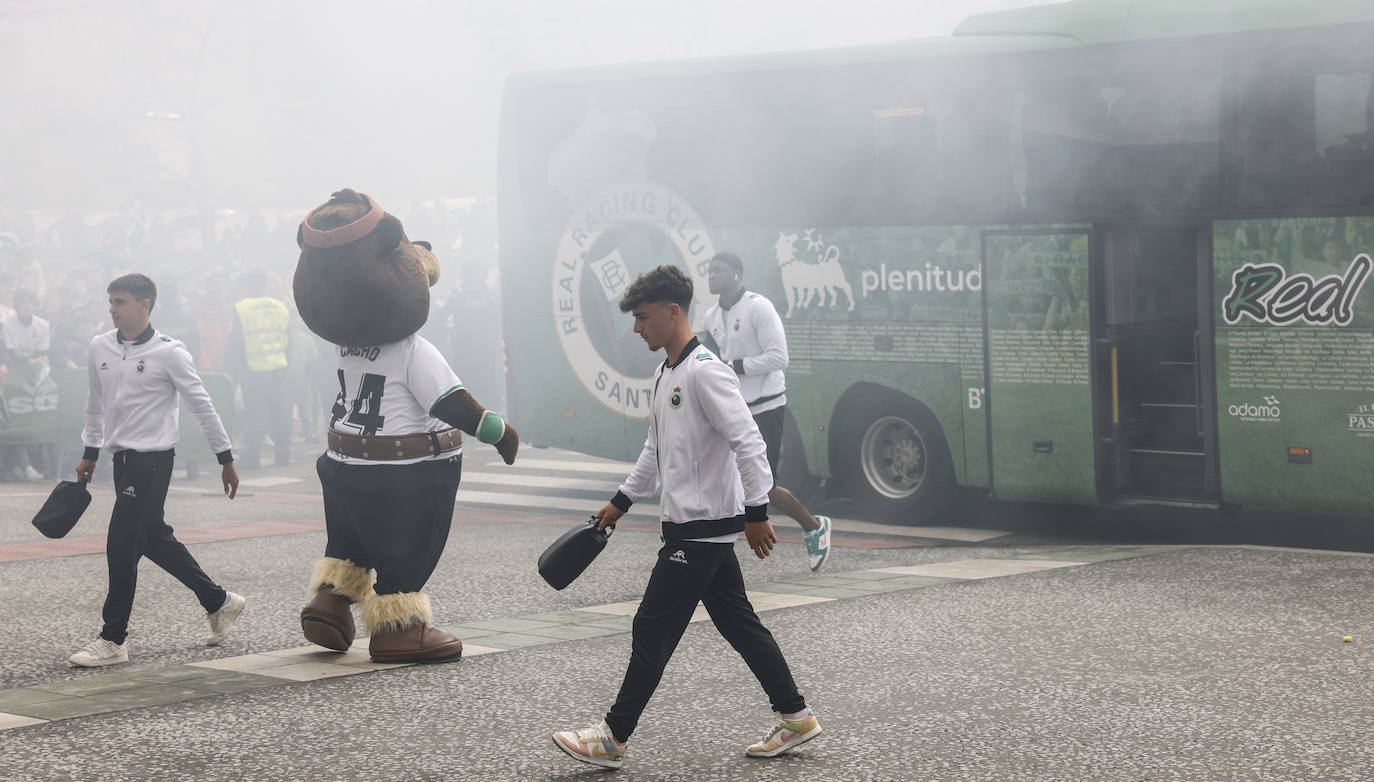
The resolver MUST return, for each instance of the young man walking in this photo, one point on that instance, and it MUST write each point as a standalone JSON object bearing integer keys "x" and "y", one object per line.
{"x": 744, "y": 329}
{"x": 137, "y": 377}
{"x": 705, "y": 452}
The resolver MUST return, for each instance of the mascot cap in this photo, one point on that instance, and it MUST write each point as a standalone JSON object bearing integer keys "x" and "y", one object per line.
{"x": 344, "y": 234}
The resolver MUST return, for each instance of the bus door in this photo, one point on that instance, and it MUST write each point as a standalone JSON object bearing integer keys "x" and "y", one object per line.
{"x": 1038, "y": 365}
{"x": 1154, "y": 336}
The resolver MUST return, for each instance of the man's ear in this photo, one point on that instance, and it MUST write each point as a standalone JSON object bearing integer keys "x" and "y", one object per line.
{"x": 300, "y": 235}
{"x": 389, "y": 233}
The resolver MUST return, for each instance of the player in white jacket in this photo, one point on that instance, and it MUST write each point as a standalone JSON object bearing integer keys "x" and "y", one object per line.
{"x": 138, "y": 378}
{"x": 705, "y": 452}
{"x": 744, "y": 329}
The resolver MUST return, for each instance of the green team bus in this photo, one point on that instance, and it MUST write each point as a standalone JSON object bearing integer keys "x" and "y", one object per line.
{"x": 1100, "y": 252}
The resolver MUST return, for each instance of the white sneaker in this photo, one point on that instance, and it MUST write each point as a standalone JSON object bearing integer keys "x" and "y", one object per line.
{"x": 223, "y": 619}
{"x": 817, "y": 543}
{"x": 32, "y": 474}
{"x": 99, "y": 653}
{"x": 595, "y": 745}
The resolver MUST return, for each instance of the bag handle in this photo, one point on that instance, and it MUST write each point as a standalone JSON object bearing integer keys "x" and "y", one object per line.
{"x": 594, "y": 520}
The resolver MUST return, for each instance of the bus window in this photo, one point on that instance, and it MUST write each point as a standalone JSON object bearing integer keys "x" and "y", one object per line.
{"x": 1306, "y": 141}
{"x": 943, "y": 156}
{"x": 1065, "y": 129}
{"x": 1166, "y": 149}
{"x": 1345, "y": 134}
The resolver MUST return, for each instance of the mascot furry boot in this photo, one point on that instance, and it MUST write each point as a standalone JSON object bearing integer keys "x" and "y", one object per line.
{"x": 335, "y": 587}
{"x": 394, "y": 453}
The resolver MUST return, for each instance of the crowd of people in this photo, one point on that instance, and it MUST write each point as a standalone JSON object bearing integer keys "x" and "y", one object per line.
{"x": 53, "y": 301}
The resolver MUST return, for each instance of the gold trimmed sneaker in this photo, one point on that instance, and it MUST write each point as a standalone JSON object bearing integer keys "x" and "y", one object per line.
{"x": 785, "y": 735}
{"x": 595, "y": 745}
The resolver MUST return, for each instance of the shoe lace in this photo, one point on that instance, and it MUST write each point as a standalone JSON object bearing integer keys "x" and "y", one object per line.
{"x": 594, "y": 733}
{"x": 99, "y": 647}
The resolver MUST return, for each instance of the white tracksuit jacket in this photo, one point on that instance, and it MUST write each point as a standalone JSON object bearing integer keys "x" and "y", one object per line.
{"x": 135, "y": 396}
{"x": 751, "y": 340}
{"x": 704, "y": 449}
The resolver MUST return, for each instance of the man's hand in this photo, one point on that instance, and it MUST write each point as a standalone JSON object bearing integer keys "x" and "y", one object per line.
{"x": 230, "y": 476}
{"x": 508, "y": 444}
{"x": 761, "y": 537}
{"x": 85, "y": 470}
{"x": 608, "y": 515}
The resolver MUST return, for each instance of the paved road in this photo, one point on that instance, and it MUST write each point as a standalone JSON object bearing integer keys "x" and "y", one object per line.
{"x": 948, "y": 654}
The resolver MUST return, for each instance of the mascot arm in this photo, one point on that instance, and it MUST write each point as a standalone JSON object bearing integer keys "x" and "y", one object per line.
{"x": 460, "y": 410}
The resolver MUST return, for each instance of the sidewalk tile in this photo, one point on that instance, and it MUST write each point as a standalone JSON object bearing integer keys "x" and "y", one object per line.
{"x": 227, "y": 682}
{"x": 839, "y": 592}
{"x": 248, "y": 663}
{"x": 8, "y": 721}
{"x": 468, "y": 631}
{"x": 24, "y": 696}
{"x": 93, "y": 685}
{"x": 168, "y": 675}
{"x": 972, "y": 569}
{"x": 575, "y": 632}
{"x": 627, "y": 608}
{"x": 64, "y": 708}
{"x": 145, "y": 695}
{"x": 767, "y": 601}
{"x": 474, "y": 650}
{"x": 310, "y": 671}
{"x": 559, "y": 617}
{"x": 516, "y": 640}
{"x": 863, "y": 575}
{"x": 619, "y": 623}
{"x": 508, "y": 625}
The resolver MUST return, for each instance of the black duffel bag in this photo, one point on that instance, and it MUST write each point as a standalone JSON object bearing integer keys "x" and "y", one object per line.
{"x": 62, "y": 509}
{"x": 567, "y": 557}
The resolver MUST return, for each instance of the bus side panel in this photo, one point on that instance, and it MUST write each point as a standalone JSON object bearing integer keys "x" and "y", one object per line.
{"x": 1295, "y": 361}
{"x": 896, "y": 306}
{"x": 548, "y": 402}
{"x": 1039, "y": 397}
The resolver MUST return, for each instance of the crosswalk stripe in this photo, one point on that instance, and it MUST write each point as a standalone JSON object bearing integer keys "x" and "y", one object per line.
{"x": 608, "y": 487}
{"x": 567, "y": 465}
{"x": 575, "y": 505}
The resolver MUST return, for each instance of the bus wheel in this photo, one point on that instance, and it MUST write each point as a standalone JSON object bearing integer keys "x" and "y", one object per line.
{"x": 897, "y": 463}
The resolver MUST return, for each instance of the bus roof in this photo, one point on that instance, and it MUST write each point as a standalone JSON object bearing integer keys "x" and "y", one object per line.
{"x": 1106, "y": 21}
{"x": 1063, "y": 25}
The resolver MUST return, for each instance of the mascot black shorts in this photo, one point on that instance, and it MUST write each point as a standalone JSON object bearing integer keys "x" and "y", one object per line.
{"x": 390, "y": 517}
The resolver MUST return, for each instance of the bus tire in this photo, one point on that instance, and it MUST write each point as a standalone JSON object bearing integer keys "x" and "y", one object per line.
{"x": 895, "y": 461}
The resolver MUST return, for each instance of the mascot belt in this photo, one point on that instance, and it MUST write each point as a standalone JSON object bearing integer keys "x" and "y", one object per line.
{"x": 390, "y": 449}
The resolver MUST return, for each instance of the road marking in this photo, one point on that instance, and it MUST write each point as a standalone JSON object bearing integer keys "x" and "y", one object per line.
{"x": 607, "y": 487}
{"x": 573, "y": 505}
{"x": 962, "y": 534}
{"x": 608, "y": 468}
{"x": 266, "y": 481}
{"x": 972, "y": 569}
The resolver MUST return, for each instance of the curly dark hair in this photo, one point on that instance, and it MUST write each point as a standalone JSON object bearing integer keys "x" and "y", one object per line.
{"x": 665, "y": 283}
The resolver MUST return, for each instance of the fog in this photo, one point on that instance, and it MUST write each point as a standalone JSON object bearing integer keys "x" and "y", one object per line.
{"x": 267, "y": 105}
{"x": 185, "y": 138}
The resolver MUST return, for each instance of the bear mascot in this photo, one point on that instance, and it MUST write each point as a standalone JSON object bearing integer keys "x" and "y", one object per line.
{"x": 394, "y": 454}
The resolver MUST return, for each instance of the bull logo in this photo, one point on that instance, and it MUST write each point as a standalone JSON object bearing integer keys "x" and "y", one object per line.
{"x": 804, "y": 282}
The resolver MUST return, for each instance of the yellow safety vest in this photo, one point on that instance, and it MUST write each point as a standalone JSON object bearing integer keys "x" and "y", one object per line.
{"x": 264, "y": 332}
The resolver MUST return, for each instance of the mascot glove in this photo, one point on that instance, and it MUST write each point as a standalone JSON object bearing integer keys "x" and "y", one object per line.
{"x": 508, "y": 444}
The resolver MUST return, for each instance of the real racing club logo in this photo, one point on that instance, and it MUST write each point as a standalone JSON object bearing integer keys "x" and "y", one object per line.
{"x": 622, "y": 224}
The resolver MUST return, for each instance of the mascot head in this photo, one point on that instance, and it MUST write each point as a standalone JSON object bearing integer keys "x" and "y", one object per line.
{"x": 360, "y": 281}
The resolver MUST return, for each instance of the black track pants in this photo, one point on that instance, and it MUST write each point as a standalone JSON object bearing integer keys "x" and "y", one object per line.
{"x": 688, "y": 572}
{"x": 137, "y": 530}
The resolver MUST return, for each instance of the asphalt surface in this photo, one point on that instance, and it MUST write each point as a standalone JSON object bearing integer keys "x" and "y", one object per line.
{"x": 1174, "y": 663}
